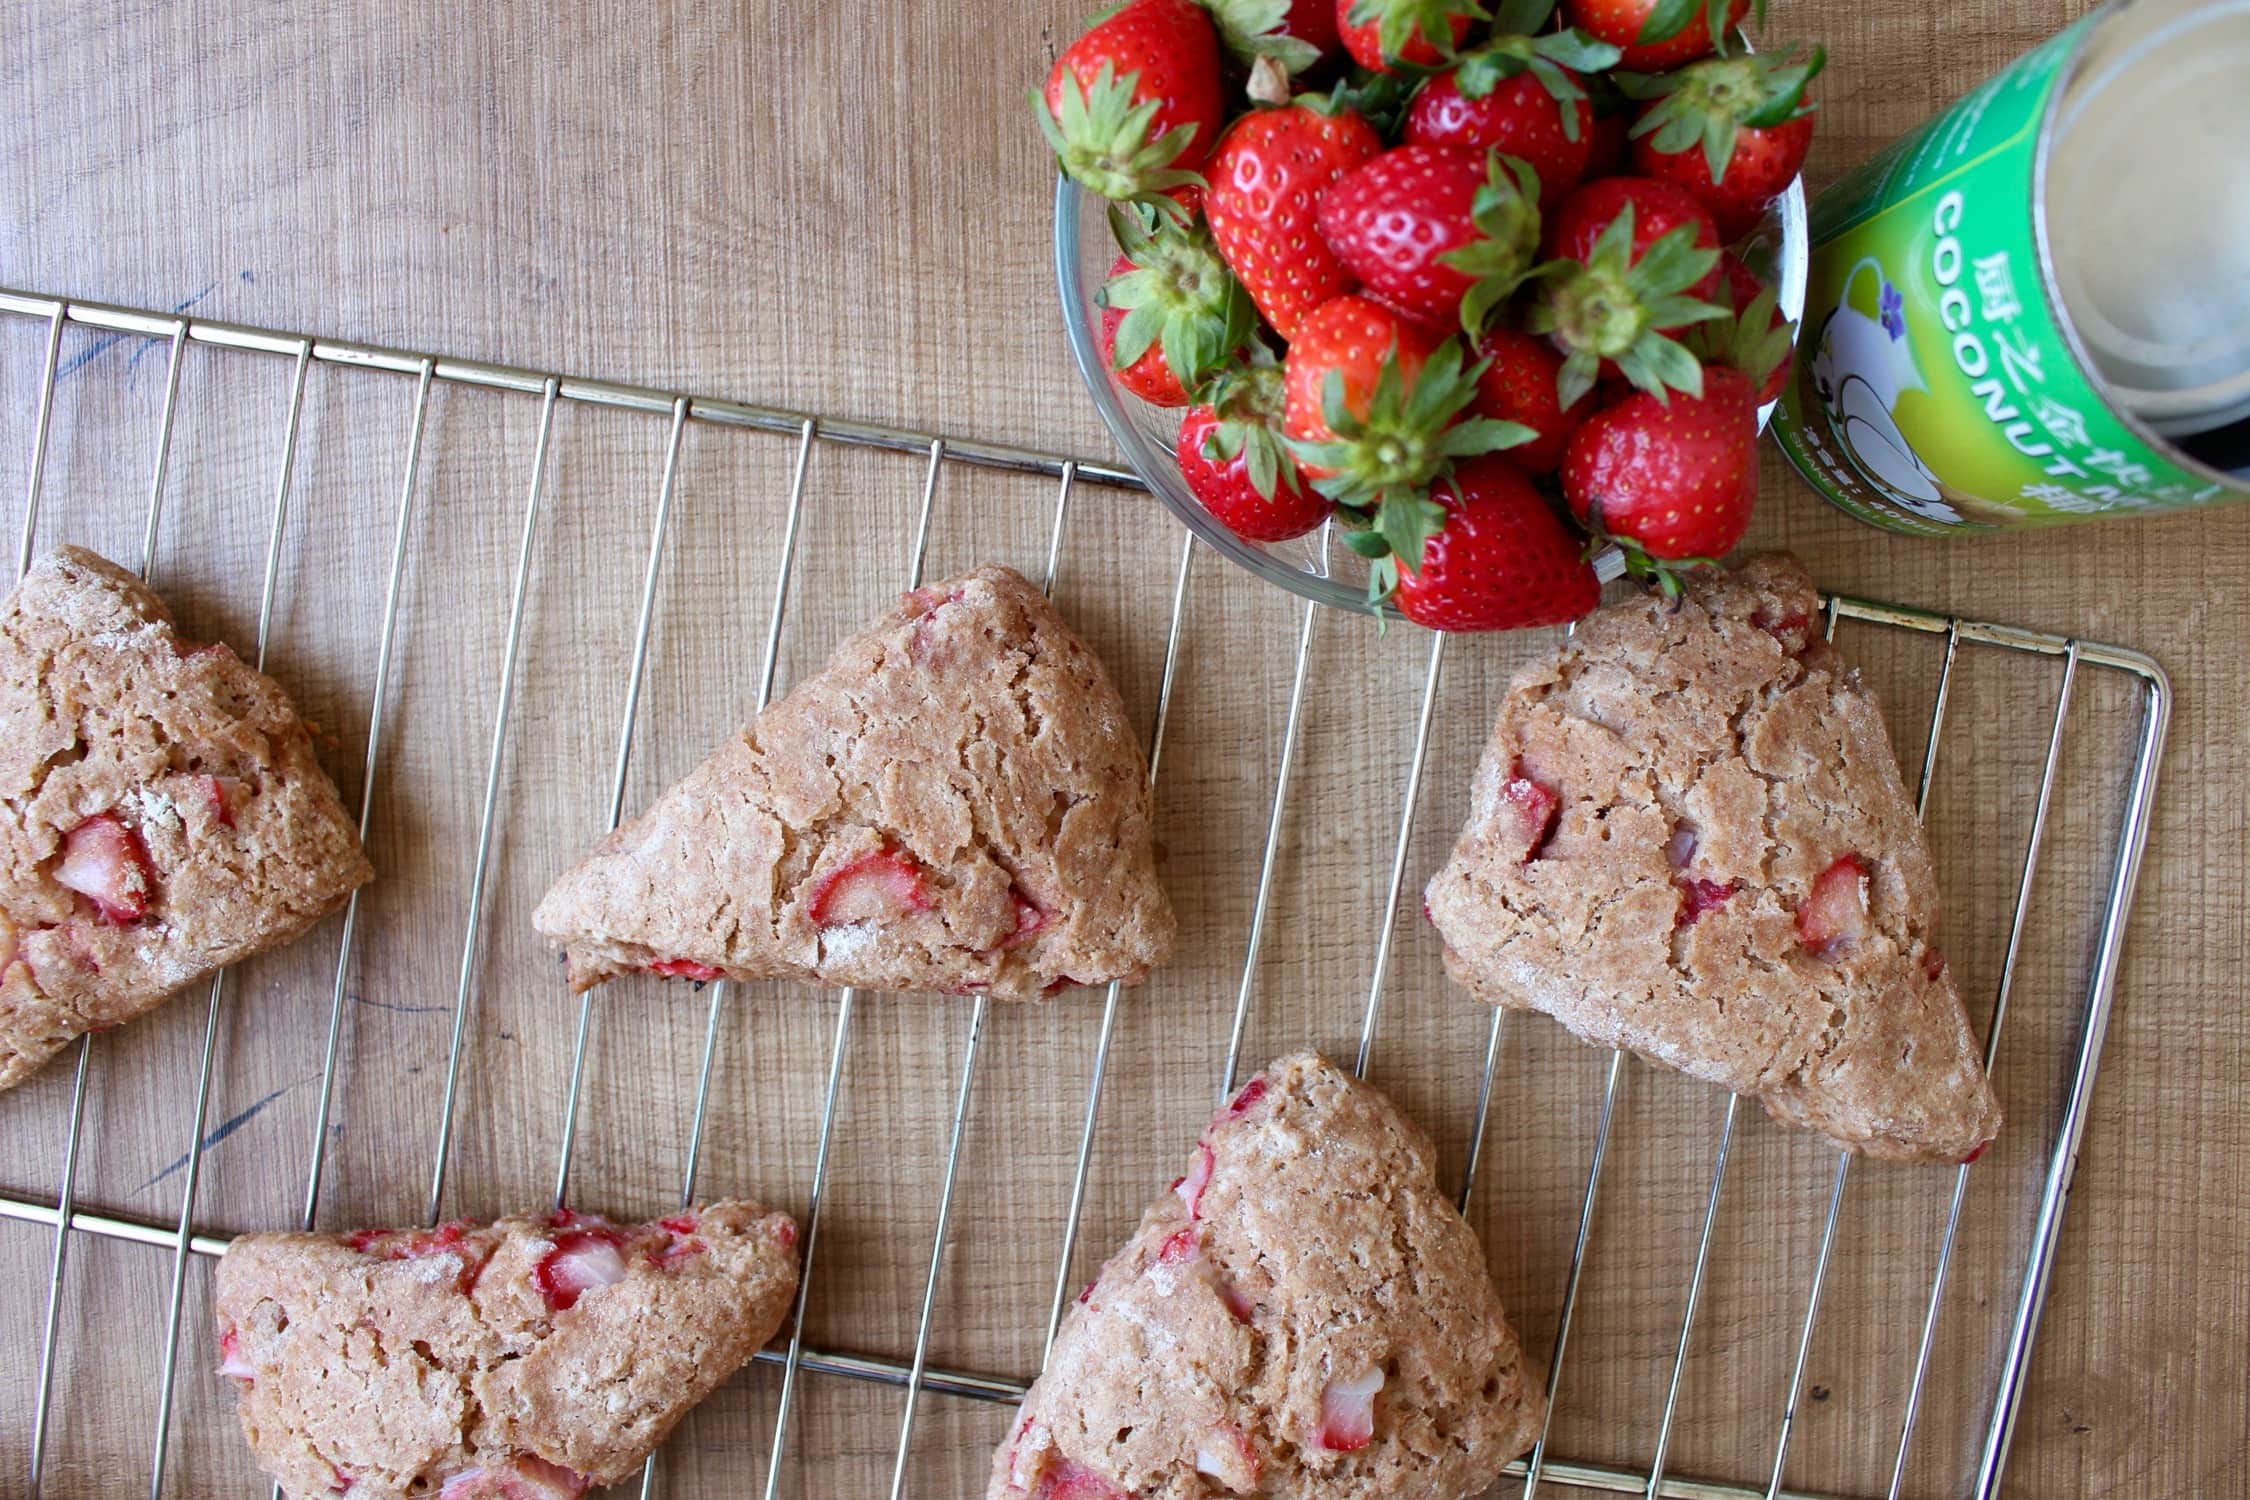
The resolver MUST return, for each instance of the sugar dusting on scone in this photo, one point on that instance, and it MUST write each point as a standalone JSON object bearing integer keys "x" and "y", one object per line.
{"x": 530, "y": 1357}
{"x": 162, "y": 813}
{"x": 1303, "y": 1314}
{"x": 954, "y": 804}
{"x": 1688, "y": 837}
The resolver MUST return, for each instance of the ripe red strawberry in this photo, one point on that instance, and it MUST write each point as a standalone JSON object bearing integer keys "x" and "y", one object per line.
{"x": 1658, "y": 209}
{"x": 1753, "y": 337}
{"x": 1442, "y": 234}
{"x": 1381, "y": 34}
{"x": 1172, "y": 314}
{"x": 1524, "y": 95}
{"x": 1657, "y": 34}
{"x": 1502, "y": 559}
{"x": 1298, "y": 34}
{"x": 1646, "y": 258}
{"x": 1372, "y": 408}
{"x": 1673, "y": 481}
{"x": 1356, "y": 342}
{"x": 1516, "y": 115}
{"x": 1731, "y": 130}
{"x": 1518, "y": 385}
{"x": 1134, "y": 106}
{"x": 1232, "y": 456}
{"x": 1146, "y": 376}
{"x": 1266, "y": 182}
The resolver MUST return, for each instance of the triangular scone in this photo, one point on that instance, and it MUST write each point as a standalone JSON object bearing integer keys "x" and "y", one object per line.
{"x": 162, "y": 813}
{"x": 953, "y": 804}
{"x": 1303, "y": 1317}
{"x": 527, "y": 1357}
{"x": 1688, "y": 837}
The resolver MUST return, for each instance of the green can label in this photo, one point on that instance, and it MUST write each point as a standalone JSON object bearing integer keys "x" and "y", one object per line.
{"x": 1934, "y": 389}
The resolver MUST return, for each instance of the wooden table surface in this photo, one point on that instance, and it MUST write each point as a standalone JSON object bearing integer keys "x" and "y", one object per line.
{"x": 845, "y": 209}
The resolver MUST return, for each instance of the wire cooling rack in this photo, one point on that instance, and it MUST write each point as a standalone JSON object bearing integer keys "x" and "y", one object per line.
{"x": 169, "y": 1355}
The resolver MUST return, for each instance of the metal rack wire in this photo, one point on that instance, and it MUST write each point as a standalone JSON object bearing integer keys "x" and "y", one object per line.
{"x": 61, "y": 1214}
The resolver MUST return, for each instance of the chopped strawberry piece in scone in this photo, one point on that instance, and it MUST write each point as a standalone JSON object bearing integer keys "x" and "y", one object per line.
{"x": 1697, "y": 897}
{"x": 1229, "y": 1456}
{"x": 1237, "y": 1303}
{"x": 408, "y": 1244}
{"x": 104, "y": 861}
{"x": 1030, "y": 918}
{"x": 873, "y": 888}
{"x": 1834, "y": 915}
{"x": 526, "y": 1477}
{"x": 222, "y": 794}
{"x": 1982, "y": 1147}
{"x": 1180, "y": 1246}
{"x": 1347, "y": 1412}
{"x": 339, "y": 1482}
{"x": 1190, "y": 1187}
{"x": 786, "y": 1233}
{"x": 571, "y": 1218}
{"x": 1065, "y": 1480}
{"x": 1533, "y": 810}
{"x": 581, "y": 1261}
{"x": 674, "y": 1251}
{"x": 1247, "y": 1100}
{"x": 684, "y": 968}
{"x": 414, "y": 1244}
{"x": 1793, "y": 629}
{"x": 1933, "y": 965}
{"x": 681, "y": 1223}
{"x": 231, "y": 1361}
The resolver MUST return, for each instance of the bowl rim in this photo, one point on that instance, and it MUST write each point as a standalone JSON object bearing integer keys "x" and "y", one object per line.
{"x": 1792, "y": 263}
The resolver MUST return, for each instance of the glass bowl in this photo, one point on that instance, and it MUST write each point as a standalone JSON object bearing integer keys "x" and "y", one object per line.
{"x": 1145, "y": 434}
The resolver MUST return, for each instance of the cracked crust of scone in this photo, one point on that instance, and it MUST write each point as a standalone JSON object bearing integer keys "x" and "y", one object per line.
{"x": 207, "y": 773}
{"x": 386, "y": 1364}
{"x": 1711, "y": 761}
{"x": 971, "y": 749}
{"x": 1304, "y": 1315}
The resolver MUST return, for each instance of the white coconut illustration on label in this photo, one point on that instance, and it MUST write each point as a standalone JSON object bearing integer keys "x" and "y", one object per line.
{"x": 1861, "y": 366}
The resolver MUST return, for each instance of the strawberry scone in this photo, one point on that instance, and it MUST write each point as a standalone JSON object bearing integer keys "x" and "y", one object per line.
{"x": 1304, "y": 1315}
{"x": 1688, "y": 837}
{"x": 162, "y": 813}
{"x": 954, "y": 804}
{"x": 530, "y": 1358}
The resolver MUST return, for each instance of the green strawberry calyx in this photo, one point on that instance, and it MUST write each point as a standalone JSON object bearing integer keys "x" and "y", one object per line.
{"x": 1557, "y": 59}
{"x": 1611, "y": 553}
{"x": 1387, "y": 462}
{"x": 1101, "y": 138}
{"x": 1248, "y": 398}
{"x": 1252, "y": 29}
{"x": 1505, "y": 254}
{"x": 1709, "y": 103}
{"x": 1179, "y": 296}
{"x": 1398, "y": 23}
{"x": 1613, "y": 307}
{"x": 1668, "y": 18}
{"x": 1751, "y": 339}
